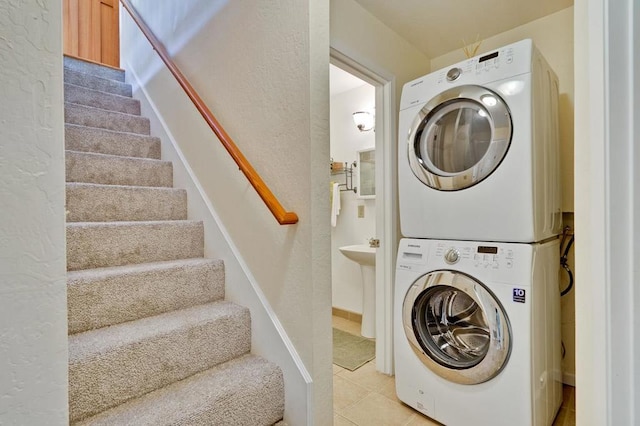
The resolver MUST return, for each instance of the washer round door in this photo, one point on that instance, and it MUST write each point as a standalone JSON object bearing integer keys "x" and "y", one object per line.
{"x": 457, "y": 327}
{"x": 459, "y": 138}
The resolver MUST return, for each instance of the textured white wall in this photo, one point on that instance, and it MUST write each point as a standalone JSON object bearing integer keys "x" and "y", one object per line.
{"x": 357, "y": 34}
{"x": 346, "y": 139}
{"x": 263, "y": 68}
{"x": 33, "y": 315}
{"x": 553, "y": 36}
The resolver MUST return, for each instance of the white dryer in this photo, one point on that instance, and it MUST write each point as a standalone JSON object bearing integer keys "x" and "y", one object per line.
{"x": 478, "y": 150}
{"x": 477, "y": 331}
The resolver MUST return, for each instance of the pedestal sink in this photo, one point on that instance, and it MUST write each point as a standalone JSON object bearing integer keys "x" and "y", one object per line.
{"x": 365, "y": 256}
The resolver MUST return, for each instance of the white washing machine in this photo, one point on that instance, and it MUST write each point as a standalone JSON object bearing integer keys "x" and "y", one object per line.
{"x": 478, "y": 150}
{"x": 477, "y": 331}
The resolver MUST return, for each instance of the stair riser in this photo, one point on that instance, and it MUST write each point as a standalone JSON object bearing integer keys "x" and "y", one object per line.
{"x": 96, "y": 203}
{"x": 97, "y": 83}
{"x": 89, "y": 139}
{"x": 112, "y": 170}
{"x": 97, "y": 383}
{"x": 112, "y": 244}
{"x": 103, "y": 298}
{"x": 107, "y": 101}
{"x": 93, "y": 69}
{"x": 103, "y": 119}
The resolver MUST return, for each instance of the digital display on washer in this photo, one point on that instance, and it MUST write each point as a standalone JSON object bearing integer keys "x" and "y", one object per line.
{"x": 489, "y": 56}
{"x": 487, "y": 250}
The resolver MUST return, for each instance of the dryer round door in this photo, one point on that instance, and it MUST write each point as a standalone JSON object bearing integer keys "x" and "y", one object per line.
{"x": 456, "y": 327}
{"x": 459, "y": 138}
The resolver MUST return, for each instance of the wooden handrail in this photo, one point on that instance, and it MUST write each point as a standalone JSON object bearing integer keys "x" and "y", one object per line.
{"x": 282, "y": 216}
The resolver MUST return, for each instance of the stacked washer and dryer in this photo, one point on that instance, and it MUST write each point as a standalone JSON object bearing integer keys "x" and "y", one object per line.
{"x": 477, "y": 304}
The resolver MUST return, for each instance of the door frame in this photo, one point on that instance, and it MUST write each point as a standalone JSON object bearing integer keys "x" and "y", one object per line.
{"x": 607, "y": 223}
{"x": 386, "y": 200}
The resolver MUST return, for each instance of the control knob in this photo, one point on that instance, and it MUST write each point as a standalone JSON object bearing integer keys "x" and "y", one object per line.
{"x": 452, "y": 256}
{"x": 453, "y": 74}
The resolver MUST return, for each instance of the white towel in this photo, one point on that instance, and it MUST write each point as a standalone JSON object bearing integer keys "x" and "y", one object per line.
{"x": 335, "y": 204}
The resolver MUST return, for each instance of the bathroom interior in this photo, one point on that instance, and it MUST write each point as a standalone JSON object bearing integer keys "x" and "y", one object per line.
{"x": 353, "y": 219}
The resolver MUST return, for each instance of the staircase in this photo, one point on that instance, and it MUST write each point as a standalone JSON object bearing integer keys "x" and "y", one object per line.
{"x": 151, "y": 339}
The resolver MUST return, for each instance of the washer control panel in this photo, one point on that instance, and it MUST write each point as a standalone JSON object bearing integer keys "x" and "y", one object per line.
{"x": 477, "y": 256}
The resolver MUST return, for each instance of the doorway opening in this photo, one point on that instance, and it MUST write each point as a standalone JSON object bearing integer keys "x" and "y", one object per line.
{"x": 383, "y": 206}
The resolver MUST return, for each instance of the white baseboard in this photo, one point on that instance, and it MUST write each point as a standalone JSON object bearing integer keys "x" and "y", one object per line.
{"x": 569, "y": 378}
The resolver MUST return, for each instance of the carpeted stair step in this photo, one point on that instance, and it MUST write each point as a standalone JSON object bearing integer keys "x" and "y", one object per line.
{"x": 116, "y": 170}
{"x": 103, "y": 244}
{"x": 97, "y": 70}
{"x": 102, "y": 141}
{"x": 104, "y": 119}
{"x": 106, "y": 296}
{"x": 114, "y": 364}
{"x": 88, "y": 202}
{"x": 97, "y": 83}
{"x": 247, "y": 391}
{"x": 94, "y": 98}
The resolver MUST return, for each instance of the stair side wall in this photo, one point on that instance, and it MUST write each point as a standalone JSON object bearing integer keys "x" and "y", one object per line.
{"x": 160, "y": 97}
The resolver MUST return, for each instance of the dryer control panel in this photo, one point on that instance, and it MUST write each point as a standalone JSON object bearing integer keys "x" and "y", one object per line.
{"x": 500, "y": 64}
{"x": 478, "y": 66}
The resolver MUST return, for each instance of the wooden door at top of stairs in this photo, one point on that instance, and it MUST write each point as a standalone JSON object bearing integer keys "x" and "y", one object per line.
{"x": 91, "y": 30}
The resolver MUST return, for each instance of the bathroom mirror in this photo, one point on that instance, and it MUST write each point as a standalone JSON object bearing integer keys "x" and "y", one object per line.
{"x": 366, "y": 172}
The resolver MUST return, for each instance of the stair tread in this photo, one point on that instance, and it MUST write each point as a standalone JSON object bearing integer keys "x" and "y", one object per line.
{"x": 81, "y": 138}
{"x": 115, "y": 364}
{"x": 131, "y": 187}
{"x": 92, "y": 167}
{"x": 87, "y": 96}
{"x": 92, "y": 343}
{"x": 86, "y": 274}
{"x": 128, "y": 223}
{"x": 91, "y": 116}
{"x": 102, "y": 110}
{"x": 117, "y": 157}
{"x": 109, "y": 131}
{"x": 112, "y": 295}
{"x": 209, "y": 397}
{"x": 92, "y": 68}
{"x": 94, "y": 202}
{"x": 80, "y": 78}
{"x": 100, "y": 244}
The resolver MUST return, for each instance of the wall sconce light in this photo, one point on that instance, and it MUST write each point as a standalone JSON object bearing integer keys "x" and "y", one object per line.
{"x": 364, "y": 120}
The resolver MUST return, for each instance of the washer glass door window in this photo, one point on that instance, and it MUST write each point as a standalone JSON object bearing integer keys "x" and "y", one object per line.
{"x": 459, "y": 138}
{"x": 457, "y": 327}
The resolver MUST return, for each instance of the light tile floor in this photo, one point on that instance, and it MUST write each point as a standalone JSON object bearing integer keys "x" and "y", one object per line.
{"x": 367, "y": 398}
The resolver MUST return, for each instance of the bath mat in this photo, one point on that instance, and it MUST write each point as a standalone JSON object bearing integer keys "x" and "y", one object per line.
{"x": 350, "y": 351}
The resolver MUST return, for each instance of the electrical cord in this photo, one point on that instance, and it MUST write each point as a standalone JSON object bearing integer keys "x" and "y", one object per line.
{"x": 563, "y": 262}
{"x": 563, "y": 258}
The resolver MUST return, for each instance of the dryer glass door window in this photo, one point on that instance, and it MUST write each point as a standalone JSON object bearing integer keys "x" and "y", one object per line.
{"x": 457, "y": 327}
{"x": 459, "y": 138}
